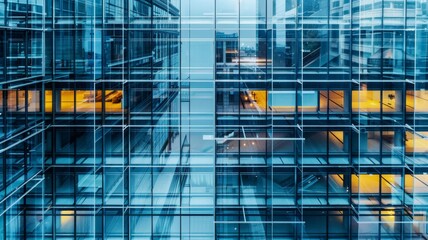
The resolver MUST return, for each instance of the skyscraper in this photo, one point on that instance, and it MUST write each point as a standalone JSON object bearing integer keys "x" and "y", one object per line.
{"x": 214, "y": 119}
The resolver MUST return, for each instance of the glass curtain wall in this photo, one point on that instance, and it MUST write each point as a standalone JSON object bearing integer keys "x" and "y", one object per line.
{"x": 23, "y": 71}
{"x": 202, "y": 119}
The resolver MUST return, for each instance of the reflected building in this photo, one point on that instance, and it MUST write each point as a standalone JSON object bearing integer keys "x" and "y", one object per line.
{"x": 214, "y": 119}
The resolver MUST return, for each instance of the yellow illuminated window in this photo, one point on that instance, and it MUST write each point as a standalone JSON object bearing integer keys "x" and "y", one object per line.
{"x": 66, "y": 223}
{"x": 337, "y": 180}
{"x": 366, "y": 101}
{"x": 420, "y": 183}
{"x": 417, "y": 101}
{"x": 370, "y": 101}
{"x": 391, "y": 183}
{"x": 365, "y": 183}
{"x": 416, "y": 184}
{"x": 67, "y": 101}
{"x": 254, "y": 100}
{"x": 408, "y": 183}
{"x": 337, "y": 100}
{"x": 334, "y": 100}
{"x": 416, "y": 142}
{"x": 66, "y": 216}
{"x": 113, "y": 100}
{"x": 388, "y": 218}
{"x": 16, "y": 100}
{"x": 48, "y": 100}
{"x": 391, "y": 101}
{"x": 87, "y": 100}
{"x": 338, "y": 135}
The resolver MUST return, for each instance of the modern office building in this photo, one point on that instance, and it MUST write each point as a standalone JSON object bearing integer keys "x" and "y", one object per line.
{"x": 214, "y": 119}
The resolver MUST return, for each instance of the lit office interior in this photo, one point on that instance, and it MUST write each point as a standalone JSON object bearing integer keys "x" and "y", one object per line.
{"x": 214, "y": 119}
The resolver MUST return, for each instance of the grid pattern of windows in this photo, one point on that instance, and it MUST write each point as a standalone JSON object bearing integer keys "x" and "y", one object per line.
{"x": 213, "y": 119}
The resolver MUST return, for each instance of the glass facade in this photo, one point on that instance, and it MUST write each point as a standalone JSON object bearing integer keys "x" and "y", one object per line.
{"x": 214, "y": 119}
